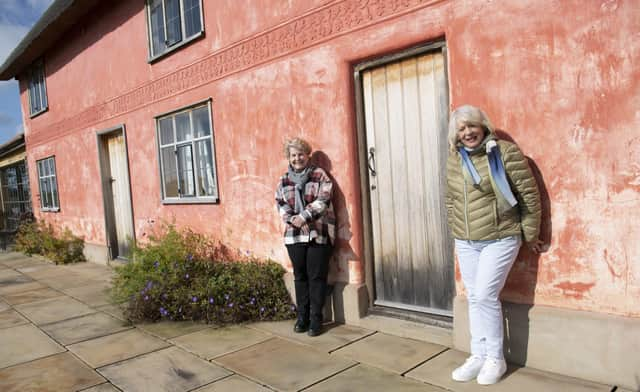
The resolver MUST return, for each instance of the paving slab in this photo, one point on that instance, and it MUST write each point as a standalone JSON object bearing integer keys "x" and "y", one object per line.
{"x": 42, "y": 271}
{"x": 25, "y": 343}
{"x": 62, "y": 372}
{"x": 9, "y": 255}
{"x": 9, "y": 275}
{"x": 334, "y": 336}
{"x": 366, "y": 378}
{"x": 11, "y": 318}
{"x": 83, "y": 328}
{"x": 171, "y": 369}
{"x": 92, "y": 271}
{"x": 68, "y": 280}
{"x": 437, "y": 371}
{"x": 233, "y": 383}
{"x": 172, "y": 329}
{"x": 54, "y": 309}
{"x": 10, "y": 278}
{"x": 389, "y": 352}
{"x": 116, "y": 347}
{"x": 23, "y": 297}
{"x": 20, "y": 287}
{"x": 214, "y": 342}
{"x": 92, "y": 295}
{"x": 283, "y": 365}
{"x": 106, "y": 387}
{"x": 113, "y": 310}
{"x": 23, "y": 262}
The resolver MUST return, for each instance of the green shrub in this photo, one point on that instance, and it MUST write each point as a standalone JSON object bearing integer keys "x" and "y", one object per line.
{"x": 181, "y": 275}
{"x": 39, "y": 238}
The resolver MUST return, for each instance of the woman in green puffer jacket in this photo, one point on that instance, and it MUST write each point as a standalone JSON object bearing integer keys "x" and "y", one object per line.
{"x": 493, "y": 204}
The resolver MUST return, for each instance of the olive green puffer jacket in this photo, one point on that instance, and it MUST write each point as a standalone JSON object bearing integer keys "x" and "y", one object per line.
{"x": 472, "y": 210}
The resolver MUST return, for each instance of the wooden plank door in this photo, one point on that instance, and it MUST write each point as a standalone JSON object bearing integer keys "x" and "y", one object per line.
{"x": 405, "y": 115}
{"x": 116, "y": 187}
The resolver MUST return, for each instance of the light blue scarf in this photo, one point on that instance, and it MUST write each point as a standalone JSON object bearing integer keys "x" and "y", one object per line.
{"x": 497, "y": 175}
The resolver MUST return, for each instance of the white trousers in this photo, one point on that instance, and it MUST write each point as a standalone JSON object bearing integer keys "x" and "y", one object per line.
{"x": 484, "y": 266}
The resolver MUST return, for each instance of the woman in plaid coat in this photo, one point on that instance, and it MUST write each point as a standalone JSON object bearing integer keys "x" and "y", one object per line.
{"x": 303, "y": 198}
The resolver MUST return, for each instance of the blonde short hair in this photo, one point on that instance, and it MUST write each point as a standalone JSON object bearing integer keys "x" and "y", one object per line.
{"x": 467, "y": 115}
{"x": 297, "y": 143}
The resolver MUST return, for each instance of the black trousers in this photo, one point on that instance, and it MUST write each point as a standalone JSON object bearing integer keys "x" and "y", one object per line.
{"x": 310, "y": 268}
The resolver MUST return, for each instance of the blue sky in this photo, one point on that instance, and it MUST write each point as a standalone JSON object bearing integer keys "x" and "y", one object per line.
{"x": 16, "y": 19}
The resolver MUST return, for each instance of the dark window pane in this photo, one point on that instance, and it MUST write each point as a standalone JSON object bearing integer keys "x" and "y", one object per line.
{"x": 166, "y": 130}
{"x": 157, "y": 27}
{"x": 174, "y": 27}
{"x": 169, "y": 172}
{"x": 192, "y": 17}
{"x": 201, "y": 122}
{"x": 44, "y": 193}
{"x": 204, "y": 165}
{"x": 185, "y": 171}
{"x": 183, "y": 127}
{"x": 54, "y": 193}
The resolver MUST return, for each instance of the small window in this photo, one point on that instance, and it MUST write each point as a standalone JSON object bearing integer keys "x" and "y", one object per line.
{"x": 37, "y": 89}
{"x": 172, "y": 23}
{"x": 48, "y": 184}
{"x": 187, "y": 161}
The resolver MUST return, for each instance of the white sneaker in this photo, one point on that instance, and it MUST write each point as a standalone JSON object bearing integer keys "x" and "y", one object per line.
{"x": 492, "y": 371}
{"x": 469, "y": 370}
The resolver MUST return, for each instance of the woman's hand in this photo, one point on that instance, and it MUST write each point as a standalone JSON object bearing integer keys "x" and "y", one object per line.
{"x": 536, "y": 246}
{"x": 297, "y": 221}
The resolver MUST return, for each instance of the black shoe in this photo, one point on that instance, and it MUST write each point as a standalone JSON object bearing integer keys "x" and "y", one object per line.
{"x": 301, "y": 326}
{"x": 315, "y": 330}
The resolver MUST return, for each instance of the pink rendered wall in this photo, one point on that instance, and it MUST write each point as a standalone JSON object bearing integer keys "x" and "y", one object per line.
{"x": 555, "y": 77}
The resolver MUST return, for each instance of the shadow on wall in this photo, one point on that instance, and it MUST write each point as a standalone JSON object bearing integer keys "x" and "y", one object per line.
{"x": 521, "y": 283}
{"x": 342, "y": 251}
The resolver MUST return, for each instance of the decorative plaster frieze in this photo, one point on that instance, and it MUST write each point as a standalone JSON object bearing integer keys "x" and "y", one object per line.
{"x": 317, "y": 26}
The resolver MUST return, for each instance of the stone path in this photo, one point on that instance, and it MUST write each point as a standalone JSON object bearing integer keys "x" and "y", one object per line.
{"x": 58, "y": 332}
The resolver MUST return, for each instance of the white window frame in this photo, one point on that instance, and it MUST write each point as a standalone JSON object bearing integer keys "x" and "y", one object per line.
{"x": 39, "y": 85}
{"x": 51, "y": 179}
{"x": 184, "y": 198}
{"x": 185, "y": 40}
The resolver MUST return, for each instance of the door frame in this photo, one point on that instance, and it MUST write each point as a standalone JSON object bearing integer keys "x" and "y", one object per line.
{"x": 107, "y": 199}
{"x": 367, "y": 226}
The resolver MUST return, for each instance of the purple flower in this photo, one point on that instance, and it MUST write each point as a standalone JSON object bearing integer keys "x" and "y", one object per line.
{"x": 149, "y": 285}
{"x": 164, "y": 295}
{"x": 194, "y": 299}
{"x": 180, "y": 309}
{"x": 146, "y": 297}
{"x": 211, "y": 301}
{"x": 226, "y": 296}
{"x": 293, "y": 308}
{"x": 163, "y": 311}
{"x": 186, "y": 276}
{"x": 156, "y": 264}
{"x": 262, "y": 310}
{"x": 231, "y": 305}
{"x": 189, "y": 257}
{"x": 253, "y": 301}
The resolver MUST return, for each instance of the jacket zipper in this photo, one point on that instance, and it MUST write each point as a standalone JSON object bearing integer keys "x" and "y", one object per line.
{"x": 466, "y": 207}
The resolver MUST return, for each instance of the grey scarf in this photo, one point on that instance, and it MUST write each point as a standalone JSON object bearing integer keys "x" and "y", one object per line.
{"x": 299, "y": 179}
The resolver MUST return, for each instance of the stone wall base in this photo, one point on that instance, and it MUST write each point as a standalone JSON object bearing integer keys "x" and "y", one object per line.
{"x": 592, "y": 346}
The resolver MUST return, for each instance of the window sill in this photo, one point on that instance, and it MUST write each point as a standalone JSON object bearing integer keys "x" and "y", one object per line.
{"x": 212, "y": 200}
{"x": 153, "y": 59}
{"x": 36, "y": 114}
{"x": 50, "y": 210}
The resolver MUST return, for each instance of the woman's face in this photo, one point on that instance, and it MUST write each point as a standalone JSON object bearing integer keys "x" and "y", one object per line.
{"x": 298, "y": 159}
{"x": 471, "y": 136}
